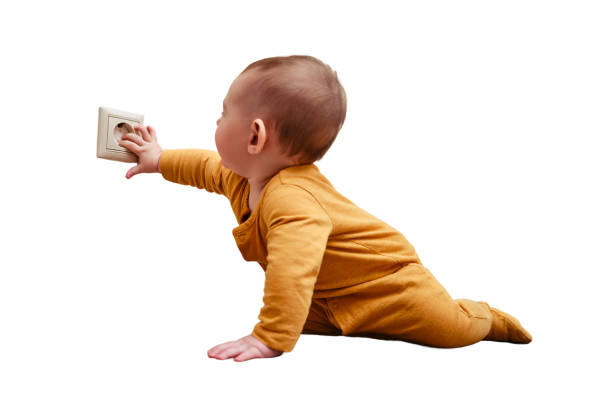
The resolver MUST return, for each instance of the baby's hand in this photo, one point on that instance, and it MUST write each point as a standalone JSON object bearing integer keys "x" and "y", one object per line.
{"x": 145, "y": 146}
{"x": 243, "y": 349}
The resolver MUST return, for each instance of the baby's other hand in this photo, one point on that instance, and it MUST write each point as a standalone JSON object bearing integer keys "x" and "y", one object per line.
{"x": 144, "y": 144}
{"x": 243, "y": 349}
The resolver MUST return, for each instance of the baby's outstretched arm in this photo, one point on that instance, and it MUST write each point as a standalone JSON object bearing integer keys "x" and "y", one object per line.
{"x": 243, "y": 349}
{"x": 144, "y": 144}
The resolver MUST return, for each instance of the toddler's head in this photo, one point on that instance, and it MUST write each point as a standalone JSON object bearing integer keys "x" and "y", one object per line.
{"x": 278, "y": 112}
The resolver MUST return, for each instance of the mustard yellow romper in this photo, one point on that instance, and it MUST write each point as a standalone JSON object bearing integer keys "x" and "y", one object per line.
{"x": 331, "y": 268}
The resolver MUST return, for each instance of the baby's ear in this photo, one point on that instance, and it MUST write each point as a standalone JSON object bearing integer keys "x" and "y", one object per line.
{"x": 258, "y": 135}
{"x": 258, "y": 126}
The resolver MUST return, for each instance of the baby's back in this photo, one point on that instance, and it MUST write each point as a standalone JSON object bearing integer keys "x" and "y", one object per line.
{"x": 361, "y": 247}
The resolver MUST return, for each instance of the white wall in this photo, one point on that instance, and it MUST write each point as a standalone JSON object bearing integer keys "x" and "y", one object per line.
{"x": 479, "y": 129}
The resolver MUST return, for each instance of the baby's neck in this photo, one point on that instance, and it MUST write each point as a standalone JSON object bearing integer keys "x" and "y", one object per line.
{"x": 258, "y": 182}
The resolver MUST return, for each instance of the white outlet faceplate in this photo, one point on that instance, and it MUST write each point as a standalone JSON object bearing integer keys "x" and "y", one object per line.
{"x": 112, "y": 124}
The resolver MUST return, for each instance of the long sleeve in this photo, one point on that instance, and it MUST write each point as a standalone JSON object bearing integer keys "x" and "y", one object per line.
{"x": 296, "y": 240}
{"x": 199, "y": 168}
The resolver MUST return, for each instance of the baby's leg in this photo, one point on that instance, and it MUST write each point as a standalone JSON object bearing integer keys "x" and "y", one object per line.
{"x": 320, "y": 320}
{"x": 411, "y": 305}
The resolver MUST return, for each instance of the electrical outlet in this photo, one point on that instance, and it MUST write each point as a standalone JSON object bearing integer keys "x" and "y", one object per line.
{"x": 112, "y": 124}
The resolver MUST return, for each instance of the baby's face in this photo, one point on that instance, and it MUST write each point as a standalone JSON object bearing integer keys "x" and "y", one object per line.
{"x": 232, "y": 133}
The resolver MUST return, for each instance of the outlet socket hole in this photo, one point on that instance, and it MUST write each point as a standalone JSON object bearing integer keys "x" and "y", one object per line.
{"x": 121, "y": 129}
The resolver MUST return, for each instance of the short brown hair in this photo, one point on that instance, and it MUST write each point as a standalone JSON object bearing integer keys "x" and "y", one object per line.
{"x": 303, "y": 101}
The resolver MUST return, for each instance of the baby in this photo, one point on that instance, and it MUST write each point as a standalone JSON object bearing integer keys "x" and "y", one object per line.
{"x": 330, "y": 267}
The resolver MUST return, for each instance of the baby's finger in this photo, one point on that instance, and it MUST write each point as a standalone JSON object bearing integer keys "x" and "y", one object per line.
{"x": 131, "y": 146}
{"x": 132, "y": 171}
{"x": 143, "y": 132}
{"x": 248, "y": 354}
{"x": 134, "y": 138}
{"x": 152, "y": 132}
{"x": 219, "y": 347}
{"x": 232, "y": 351}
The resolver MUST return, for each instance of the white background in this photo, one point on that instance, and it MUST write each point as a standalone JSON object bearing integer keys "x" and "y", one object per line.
{"x": 480, "y": 129}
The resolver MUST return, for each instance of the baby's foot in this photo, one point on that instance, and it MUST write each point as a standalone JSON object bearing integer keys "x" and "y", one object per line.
{"x": 507, "y": 328}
